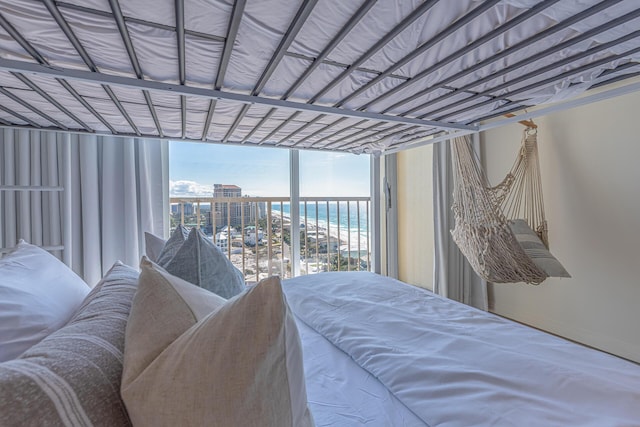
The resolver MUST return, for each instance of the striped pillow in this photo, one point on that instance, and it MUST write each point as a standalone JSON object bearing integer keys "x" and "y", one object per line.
{"x": 72, "y": 377}
{"x": 536, "y": 250}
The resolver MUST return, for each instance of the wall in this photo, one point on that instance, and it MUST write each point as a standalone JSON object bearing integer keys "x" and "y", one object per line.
{"x": 415, "y": 216}
{"x": 590, "y": 164}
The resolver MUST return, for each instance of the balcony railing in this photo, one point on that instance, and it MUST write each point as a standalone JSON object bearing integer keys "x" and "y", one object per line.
{"x": 255, "y": 232}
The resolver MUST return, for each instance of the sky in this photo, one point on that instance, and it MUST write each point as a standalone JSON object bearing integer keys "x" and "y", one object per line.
{"x": 260, "y": 171}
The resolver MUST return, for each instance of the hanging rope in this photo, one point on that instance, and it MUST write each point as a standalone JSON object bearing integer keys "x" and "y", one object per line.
{"x": 482, "y": 212}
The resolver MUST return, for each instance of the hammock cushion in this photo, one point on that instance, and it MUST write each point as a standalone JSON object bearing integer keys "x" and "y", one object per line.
{"x": 535, "y": 249}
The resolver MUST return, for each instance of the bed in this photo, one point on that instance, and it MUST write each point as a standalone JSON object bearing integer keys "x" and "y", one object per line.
{"x": 376, "y": 351}
{"x": 447, "y": 363}
{"x": 372, "y": 351}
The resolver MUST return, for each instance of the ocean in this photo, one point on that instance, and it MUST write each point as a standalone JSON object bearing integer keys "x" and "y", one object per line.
{"x": 330, "y": 215}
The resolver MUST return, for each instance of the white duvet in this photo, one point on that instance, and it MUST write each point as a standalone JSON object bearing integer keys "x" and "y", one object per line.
{"x": 453, "y": 365}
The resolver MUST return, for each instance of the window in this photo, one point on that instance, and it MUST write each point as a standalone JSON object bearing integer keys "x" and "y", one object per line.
{"x": 239, "y": 196}
{"x": 336, "y": 232}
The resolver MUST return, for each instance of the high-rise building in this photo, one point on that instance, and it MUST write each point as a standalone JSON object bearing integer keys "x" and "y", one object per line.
{"x": 231, "y": 213}
{"x": 226, "y": 190}
{"x": 188, "y": 208}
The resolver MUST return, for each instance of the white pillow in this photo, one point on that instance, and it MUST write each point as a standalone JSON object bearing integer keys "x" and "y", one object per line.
{"x": 38, "y": 295}
{"x": 192, "y": 358}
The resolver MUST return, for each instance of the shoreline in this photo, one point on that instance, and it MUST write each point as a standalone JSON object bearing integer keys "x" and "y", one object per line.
{"x": 343, "y": 238}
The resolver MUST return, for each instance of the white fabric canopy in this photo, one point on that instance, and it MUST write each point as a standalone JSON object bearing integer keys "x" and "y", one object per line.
{"x": 361, "y": 76}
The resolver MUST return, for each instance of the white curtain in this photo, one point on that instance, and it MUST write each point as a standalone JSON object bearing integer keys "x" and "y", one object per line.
{"x": 118, "y": 189}
{"x": 453, "y": 276}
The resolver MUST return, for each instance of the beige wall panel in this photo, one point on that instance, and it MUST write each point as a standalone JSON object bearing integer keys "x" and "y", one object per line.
{"x": 415, "y": 216}
{"x": 590, "y": 162}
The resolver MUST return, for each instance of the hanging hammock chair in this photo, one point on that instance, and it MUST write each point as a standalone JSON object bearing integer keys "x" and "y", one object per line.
{"x": 502, "y": 230}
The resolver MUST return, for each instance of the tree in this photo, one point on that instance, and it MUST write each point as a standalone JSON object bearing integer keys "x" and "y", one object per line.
{"x": 333, "y": 263}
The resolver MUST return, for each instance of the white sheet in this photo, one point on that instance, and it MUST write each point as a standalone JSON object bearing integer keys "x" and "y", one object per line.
{"x": 341, "y": 393}
{"x": 457, "y": 366}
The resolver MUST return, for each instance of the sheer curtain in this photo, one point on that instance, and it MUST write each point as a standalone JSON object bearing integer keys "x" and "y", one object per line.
{"x": 118, "y": 188}
{"x": 453, "y": 276}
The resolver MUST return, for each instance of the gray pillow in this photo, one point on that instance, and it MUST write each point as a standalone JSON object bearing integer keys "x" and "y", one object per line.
{"x": 153, "y": 246}
{"x": 536, "y": 250}
{"x": 173, "y": 245}
{"x": 202, "y": 263}
{"x": 72, "y": 377}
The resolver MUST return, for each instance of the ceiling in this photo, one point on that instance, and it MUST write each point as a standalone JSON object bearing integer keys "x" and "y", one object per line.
{"x": 359, "y": 76}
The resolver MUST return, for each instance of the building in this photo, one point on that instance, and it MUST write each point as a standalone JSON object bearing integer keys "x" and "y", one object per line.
{"x": 232, "y": 213}
{"x": 188, "y": 208}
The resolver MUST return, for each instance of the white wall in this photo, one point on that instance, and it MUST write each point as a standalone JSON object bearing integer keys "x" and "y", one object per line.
{"x": 415, "y": 216}
{"x": 590, "y": 163}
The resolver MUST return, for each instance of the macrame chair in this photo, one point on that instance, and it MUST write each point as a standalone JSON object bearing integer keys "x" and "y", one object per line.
{"x": 484, "y": 215}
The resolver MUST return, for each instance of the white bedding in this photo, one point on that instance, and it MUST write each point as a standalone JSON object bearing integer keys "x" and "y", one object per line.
{"x": 454, "y": 365}
{"x": 342, "y": 394}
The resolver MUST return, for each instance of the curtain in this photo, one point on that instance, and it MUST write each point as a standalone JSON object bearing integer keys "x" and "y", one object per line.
{"x": 453, "y": 276}
{"x": 117, "y": 186}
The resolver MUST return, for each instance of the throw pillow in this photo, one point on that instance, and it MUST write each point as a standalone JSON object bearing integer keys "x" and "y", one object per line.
{"x": 202, "y": 263}
{"x": 72, "y": 377}
{"x": 38, "y": 295}
{"x": 182, "y": 305}
{"x": 239, "y": 365}
{"x": 173, "y": 245}
{"x": 153, "y": 245}
{"x": 536, "y": 250}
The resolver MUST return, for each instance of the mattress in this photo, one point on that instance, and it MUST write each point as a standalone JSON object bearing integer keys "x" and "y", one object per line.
{"x": 450, "y": 364}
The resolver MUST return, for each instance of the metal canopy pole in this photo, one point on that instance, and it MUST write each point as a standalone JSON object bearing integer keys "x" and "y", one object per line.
{"x": 545, "y": 53}
{"x": 279, "y": 127}
{"x": 458, "y": 54}
{"x": 232, "y": 32}
{"x": 66, "y": 29}
{"x": 410, "y": 19}
{"x": 318, "y": 132}
{"x": 126, "y": 39}
{"x": 455, "y": 26}
{"x": 360, "y": 13}
{"x": 42, "y": 114}
{"x": 49, "y": 98}
{"x": 96, "y": 77}
{"x": 296, "y": 25}
{"x": 301, "y": 128}
{"x": 179, "y": 9}
{"x": 561, "y": 106}
{"x": 557, "y": 77}
{"x": 353, "y": 135}
{"x": 502, "y": 54}
{"x": 20, "y": 116}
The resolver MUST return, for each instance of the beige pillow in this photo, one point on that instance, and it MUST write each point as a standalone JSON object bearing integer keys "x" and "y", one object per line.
{"x": 165, "y": 307}
{"x": 192, "y": 360}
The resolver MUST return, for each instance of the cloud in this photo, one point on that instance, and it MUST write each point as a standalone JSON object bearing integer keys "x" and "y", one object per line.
{"x": 190, "y": 189}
